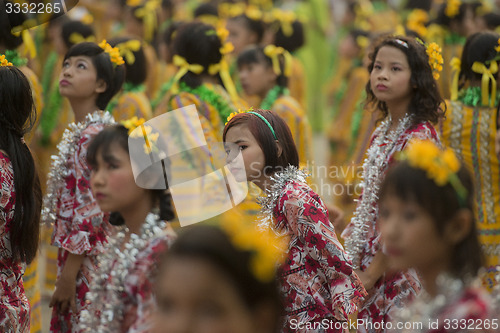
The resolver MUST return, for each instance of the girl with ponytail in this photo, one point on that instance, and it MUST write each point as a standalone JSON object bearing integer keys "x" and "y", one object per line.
{"x": 20, "y": 197}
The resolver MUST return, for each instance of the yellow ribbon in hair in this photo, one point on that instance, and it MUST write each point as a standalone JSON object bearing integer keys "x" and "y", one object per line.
{"x": 184, "y": 67}
{"x": 76, "y": 38}
{"x": 22, "y": 30}
{"x": 128, "y": 48}
{"x": 223, "y": 69}
{"x": 481, "y": 68}
{"x": 455, "y": 64}
{"x": 286, "y": 19}
{"x": 273, "y": 52}
{"x": 148, "y": 16}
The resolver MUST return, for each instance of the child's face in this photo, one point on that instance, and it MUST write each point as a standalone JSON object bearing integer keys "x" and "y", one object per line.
{"x": 348, "y": 47}
{"x": 112, "y": 181}
{"x": 390, "y": 77}
{"x": 195, "y": 297}
{"x": 78, "y": 79}
{"x": 257, "y": 78}
{"x": 239, "y": 35}
{"x": 240, "y": 138}
{"x": 410, "y": 236}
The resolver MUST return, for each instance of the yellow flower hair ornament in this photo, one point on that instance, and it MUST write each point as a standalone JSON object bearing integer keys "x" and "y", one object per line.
{"x": 487, "y": 77}
{"x": 227, "y": 10}
{"x": 435, "y": 59}
{"x": 77, "y": 38}
{"x": 440, "y": 165}
{"x": 113, "y": 52}
{"x": 231, "y": 116}
{"x": 128, "y": 48}
{"x": 273, "y": 52}
{"x": 4, "y": 62}
{"x": 253, "y": 13}
{"x": 417, "y": 20}
{"x": 452, "y": 8}
{"x": 146, "y": 132}
{"x": 267, "y": 249}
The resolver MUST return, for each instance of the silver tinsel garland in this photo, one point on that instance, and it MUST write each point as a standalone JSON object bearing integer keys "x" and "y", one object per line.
{"x": 268, "y": 202}
{"x": 426, "y": 309}
{"x": 373, "y": 167}
{"x": 106, "y": 305}
{"x": 59, "y": 169}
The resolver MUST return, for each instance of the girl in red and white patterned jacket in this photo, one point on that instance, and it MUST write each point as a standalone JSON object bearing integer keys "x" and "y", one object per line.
{"x": 317, "y": 281}
{"x": 91, "y": 75}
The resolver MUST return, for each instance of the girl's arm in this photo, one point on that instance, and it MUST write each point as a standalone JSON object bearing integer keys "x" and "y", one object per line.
{"x": 375, "y": 271}
{"x": 64, "y": 296}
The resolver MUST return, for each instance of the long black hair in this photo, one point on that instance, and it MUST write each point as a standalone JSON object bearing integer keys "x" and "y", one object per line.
{"x": 17, "y": 117}
{"x": 101, "y": 144}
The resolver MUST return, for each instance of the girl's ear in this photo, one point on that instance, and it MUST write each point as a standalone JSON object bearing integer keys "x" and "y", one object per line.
{"x": 280, "y": 149}
{"x": 459, "y": 226}
{"x": 101, "y": 86}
